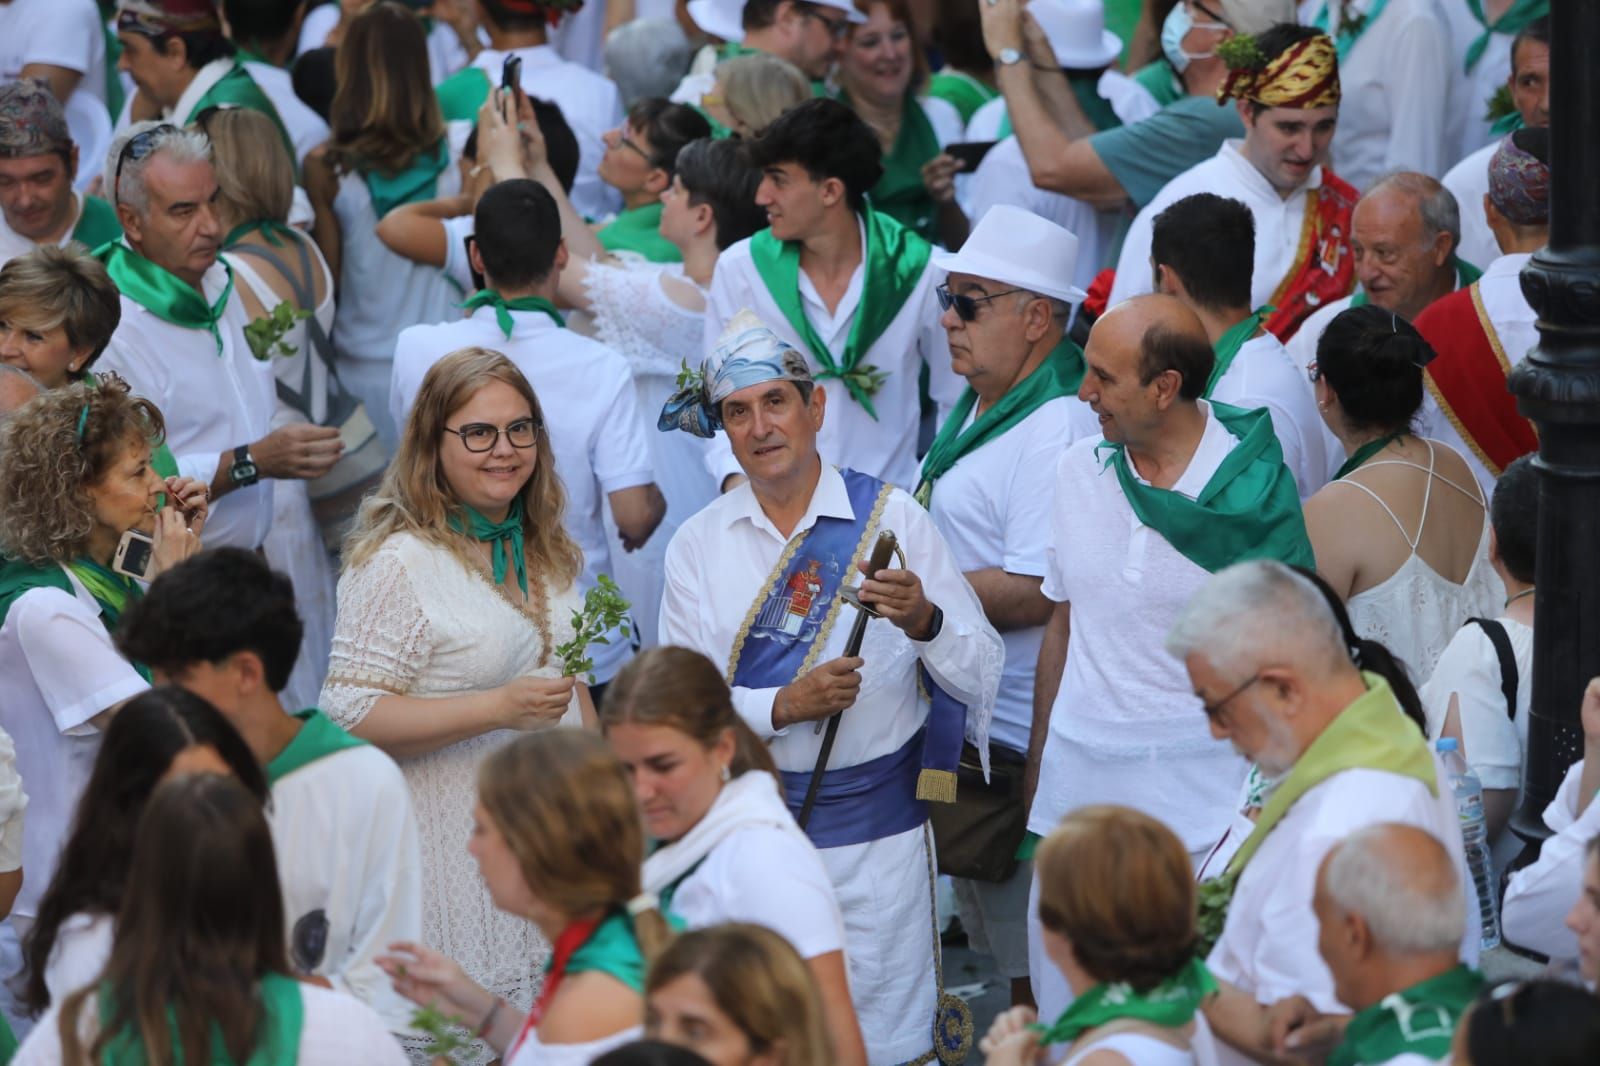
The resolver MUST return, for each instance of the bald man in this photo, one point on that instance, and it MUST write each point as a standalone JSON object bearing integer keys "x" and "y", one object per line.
{"x": 17, "y": 387}
{"x": 1391, "y": 915}
{"x": 1178, "y": 487}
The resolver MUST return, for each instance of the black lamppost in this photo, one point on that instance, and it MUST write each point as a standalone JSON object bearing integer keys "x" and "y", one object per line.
{"x": 1558, "y": 386}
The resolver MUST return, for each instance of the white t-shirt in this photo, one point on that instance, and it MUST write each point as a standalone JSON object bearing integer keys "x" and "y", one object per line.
{"x": 58, "y": 669}
{"x": 83, "y": 944}
{"x": 12, "y": 803}
{"x": 1539, "y": 897}
{"x": 1468, "y": 182}
{"x": 1126, "y": 727}
{"x": 1470, "y": 670}
{"x": 336, "y": 1030}
{"x": 591, "y": 411}
{"x": 993, "y": 508}
{"x": 67, "y": 34}
{"x": 1263, "y": 375}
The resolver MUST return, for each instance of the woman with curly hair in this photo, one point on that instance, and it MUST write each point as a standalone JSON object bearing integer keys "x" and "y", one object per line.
{"x": 458, "y": 587}
{"x": 75, "y": 476}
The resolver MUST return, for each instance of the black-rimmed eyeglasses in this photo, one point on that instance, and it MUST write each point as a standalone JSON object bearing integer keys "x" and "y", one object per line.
{"x": 482, "y": 437}
{"x": 1214, "y": 709}
{"x": 966, "y": 306}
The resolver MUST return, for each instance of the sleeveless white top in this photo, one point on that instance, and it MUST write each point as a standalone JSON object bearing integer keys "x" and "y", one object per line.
{"x": 1139, "y": 1049}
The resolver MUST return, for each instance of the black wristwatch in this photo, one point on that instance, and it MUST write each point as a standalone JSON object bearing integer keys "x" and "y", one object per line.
{"x": 243, "y": 471}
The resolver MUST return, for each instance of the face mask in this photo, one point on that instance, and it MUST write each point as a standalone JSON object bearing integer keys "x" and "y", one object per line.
{"x": 1175, "y": 29}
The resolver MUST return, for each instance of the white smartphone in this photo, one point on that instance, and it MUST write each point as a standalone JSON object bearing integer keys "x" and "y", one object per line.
{"x": 133, "y": 556}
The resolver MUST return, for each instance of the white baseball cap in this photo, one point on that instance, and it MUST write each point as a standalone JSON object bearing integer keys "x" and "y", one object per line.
{"x": 724, "y": 19}
{"x": 1076, "y": 30}
{"x": 1019, "y": 248}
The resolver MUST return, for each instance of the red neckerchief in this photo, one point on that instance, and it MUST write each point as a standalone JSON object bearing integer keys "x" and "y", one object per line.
{"x": 573, "y": 937}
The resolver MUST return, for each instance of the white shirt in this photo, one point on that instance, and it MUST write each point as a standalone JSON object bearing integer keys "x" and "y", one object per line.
{"x": 12, "y": 803}
{"x": 83, "y": 944}
{"x": 336, "y": 1030}
{"x": 1468, "y": 182}
{"x": 1515, "y": 330}
{"x": 1263, "y": 375}
{"x": 1126, "y": 726}
{"x": 445, "y": 53}
{"x": 993, "y": 509}
{"x": 71, "y": 35}
{"x": 1539, "y": 897}
{"x": 588, "y": 101}
{"x": 1470, "y": 102}
{"x": 885, "y": 447}
{"x": 591, "y": 411}
{"x": 211, "y": 403}
{"x": 1397, "y": 81}
{"x": 58, "y": 669}
{"x": 1302, "y": 349}
{"x": 1279, "y": 221}
{"x": 307, "y": 129}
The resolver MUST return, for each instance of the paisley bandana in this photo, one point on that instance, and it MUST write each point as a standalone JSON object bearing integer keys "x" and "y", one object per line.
{"x": 1302, "y": 76}
{"x": 1519, "y": 185}
{"x": 31, "y": 121}
{"x": 159, "y": 18}
{"x": 747, "y": 354}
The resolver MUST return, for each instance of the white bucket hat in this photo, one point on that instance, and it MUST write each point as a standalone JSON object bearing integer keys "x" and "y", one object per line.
{"x": 1019, "y": 248}
{"x": 1076, "y": 30}
{"x": 724, "y": 19}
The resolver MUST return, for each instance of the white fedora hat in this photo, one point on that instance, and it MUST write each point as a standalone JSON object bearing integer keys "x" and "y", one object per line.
{"x": 722, "y": 19}
{"x": 1018, "y": 248}
{"x": 1076, "y": 30}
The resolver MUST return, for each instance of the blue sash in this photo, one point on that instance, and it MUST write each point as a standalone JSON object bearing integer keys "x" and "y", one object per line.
{"x": 782, "y": 637}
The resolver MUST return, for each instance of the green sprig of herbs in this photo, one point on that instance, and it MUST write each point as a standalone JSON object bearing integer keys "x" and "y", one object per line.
{"x": 265, "y": 334}
{"x": 604, "y": 609}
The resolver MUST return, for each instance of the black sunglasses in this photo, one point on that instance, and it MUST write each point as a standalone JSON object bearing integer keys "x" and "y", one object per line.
{"x": 966, "y": 306}
{"x": 837, "y": 27}
{"x": 136, "y": 148}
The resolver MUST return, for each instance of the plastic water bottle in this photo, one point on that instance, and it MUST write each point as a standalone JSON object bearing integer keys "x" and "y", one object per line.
{"x": 1474, "y": 836}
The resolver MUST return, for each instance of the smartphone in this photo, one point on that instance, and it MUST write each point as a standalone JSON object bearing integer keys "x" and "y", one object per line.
{"x": 511, "y": 73}
{"x": 970, "y": 153}
{"x": 133, "y": 555}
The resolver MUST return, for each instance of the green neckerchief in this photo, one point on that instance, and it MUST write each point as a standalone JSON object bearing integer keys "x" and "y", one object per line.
{"x": 507, "y": 550}
{"x": 114, "y": 92}
{"x": 272, "y": 231}
{"x": 1161, "y": 82}
{"x": 163, "y": 293}
{"x": 503, "y": 308}
{"x": 899, "y": 192}
{"x": 283, "y": 1016}
{"x": 1466, "y": 274}
{"x": 1228, "y": 345}
{"x": 463, "y": 93}
{"x": 97, "y": 224}
{"x": 318, "y": 737}
{"x": 892, "y": 263}
{"x": 1510, "y": 122}
{"x": 1365, "y": 452}
{"x": 612, "y": 949}
{"x": 1169, "y": 1004}
{"x": 239, "y": 89}
{"x": 1420, "y": 1020}
{"x": 1350, "y": 30}
{"x": 1250, "y": 509}
{"x": 8, "y": 1041}
{"x": 638, "y": 229}
{"x": 111, "y": 591}
{"x": 1059, "y": 375}
{"x": 1517, "y": 16}
{"x": 1096, "y": 108}
{"x": 419, "y": 181}
{"x": 247, "y": 55}
{"x": 961, "y": 91}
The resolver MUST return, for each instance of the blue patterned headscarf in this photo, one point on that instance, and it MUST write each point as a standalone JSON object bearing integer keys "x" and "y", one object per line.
{"x": 748, "y": 354}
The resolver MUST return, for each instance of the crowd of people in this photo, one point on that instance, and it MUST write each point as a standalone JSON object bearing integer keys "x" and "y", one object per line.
{"x": 553, "y": 532}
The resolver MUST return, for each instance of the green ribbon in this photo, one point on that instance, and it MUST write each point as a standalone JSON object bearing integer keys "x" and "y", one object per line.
{"x": 1516, "y": 17}
{"x": 283, "y": 1016}
{"x": 1170, "y": 1004}
{"x": 419, "y": 181}
{"x": 638, "y": 229}
{"x": 1228, "y": 345}
{"x": 893, "y": 261}
{"x": 1466, "y": 274}
{"x": 1250, "y": 509}
{"x": 505, "y": 537}
{"x": 163, "y": 293}
{"x": 503, "y": 308}
{"x": 1365, "y": 452}
{"x": 1350, "y": 29}
{"x": 272, "y": 231}
{"x": 1420, "y": 1020}
{"x": 900, "y": 193}
{"x": 1059, "y": 375}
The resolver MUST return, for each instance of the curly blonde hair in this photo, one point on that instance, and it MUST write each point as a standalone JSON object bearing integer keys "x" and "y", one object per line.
{"x": 415, "y": 498}
{"x": 47, "y": 467}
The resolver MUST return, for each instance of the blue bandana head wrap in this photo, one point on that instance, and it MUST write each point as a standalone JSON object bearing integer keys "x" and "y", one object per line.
{"x": 748, "y": 354}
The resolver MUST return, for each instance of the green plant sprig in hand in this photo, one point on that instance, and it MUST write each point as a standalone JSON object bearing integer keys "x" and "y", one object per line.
{"x": 265, "y": 334}
{"x": 446, "y": 1032}
{"x": 604, "y": 609}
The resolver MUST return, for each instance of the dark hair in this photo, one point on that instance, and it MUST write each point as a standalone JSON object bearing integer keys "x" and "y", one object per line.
{"x": 200, "y": 47}
{"x": 1273, "y": 42}
{"x": 504, "y": 18}
{"x": 201, "y": 923}
{"x": 1371, "y": 655}
{"x": 315, "y": 80}
{"x": 759, "y": 14}
{"x": 668, "y": 127}
{"x": 958, "y": 34}
{"x": 651, "y": 1053}
{"x": 1162, "y": 349}
{"x": 1372, "y": 359}
{"x": 136, "y": 751}
{"x": 517, "y": 229}
{"x": 826, "y": 139}
{"x": 1548, "y": 1022}
{"x": 1209, "y": 241}
{"x": 260, "y": 20}
{"x": 1537, "y": 30}
{"x": 718, "y": 173}
{"x": 560, "y": 143}
{"x": 384, "y": 114}
{"x": 1514, "y": 513}
{"x": 213, "y": 605}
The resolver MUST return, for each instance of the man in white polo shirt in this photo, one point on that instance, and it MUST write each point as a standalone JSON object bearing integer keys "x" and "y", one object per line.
{"x": 585, "y": 389}
{"x": 987, "y": 482}
{"x": 800, "y": 32}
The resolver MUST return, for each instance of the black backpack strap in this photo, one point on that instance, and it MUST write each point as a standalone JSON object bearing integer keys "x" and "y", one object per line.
{"x": 1508, "y": 660}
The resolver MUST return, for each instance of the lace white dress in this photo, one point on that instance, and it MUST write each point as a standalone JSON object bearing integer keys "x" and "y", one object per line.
{"x": 415, "y": 621}
{"x": 1416, "y": 610}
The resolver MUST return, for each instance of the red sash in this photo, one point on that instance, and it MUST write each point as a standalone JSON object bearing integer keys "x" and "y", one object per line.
{"x": 1324, "y": 268}
{"x": 1468, "y": 379}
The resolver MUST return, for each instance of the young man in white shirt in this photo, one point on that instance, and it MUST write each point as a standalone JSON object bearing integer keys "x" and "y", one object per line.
{"x": 1289, "y": 108}
{"x": 585, "y": 389}
{"x": 267, "y": 33}
{"x": 1202, "y": 250}
{"x": 37, "y": 160}
{"x": 851, "y": 289}
{"x": 223, "y": 625}
{"x": 986, "y": 481}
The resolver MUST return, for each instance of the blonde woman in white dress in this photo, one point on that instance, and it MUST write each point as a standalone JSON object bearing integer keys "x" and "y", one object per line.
{"x": 458, "y": 587}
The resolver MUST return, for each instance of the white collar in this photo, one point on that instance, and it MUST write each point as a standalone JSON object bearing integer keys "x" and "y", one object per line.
{"x": 538, "y": 55}
{"x": 523, "y": 323}
{"x": 204, "y": 80}
{"x": 1233, "y": 152}
{"x": 1214, "y": 445}
{"x": 750, "y": 800}
{"x": 10, "y": 238}
{"x": 830, "y": 498}
{"x": 1507, "y": 265}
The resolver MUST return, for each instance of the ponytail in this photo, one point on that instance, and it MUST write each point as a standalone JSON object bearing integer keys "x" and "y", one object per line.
{"x": 1371, "y": 655}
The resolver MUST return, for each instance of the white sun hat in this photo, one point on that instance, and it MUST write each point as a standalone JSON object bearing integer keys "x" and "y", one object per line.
{"x": 1019, "y": 248}
{"x": 1076, "y": 30}
{"x": 724, "y": 19}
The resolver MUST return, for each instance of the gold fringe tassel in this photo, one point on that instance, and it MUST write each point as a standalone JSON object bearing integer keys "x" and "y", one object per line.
{"x": 937, "y": 786}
